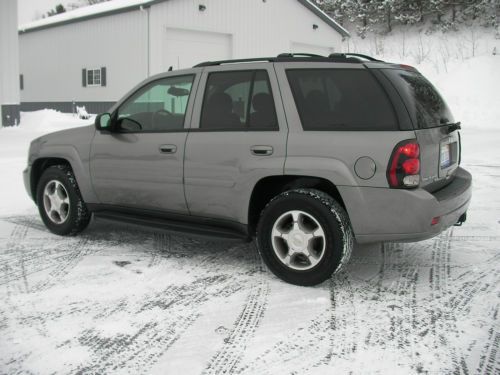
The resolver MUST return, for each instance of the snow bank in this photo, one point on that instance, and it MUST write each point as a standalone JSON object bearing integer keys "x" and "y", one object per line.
{"x": 14, "y": 144}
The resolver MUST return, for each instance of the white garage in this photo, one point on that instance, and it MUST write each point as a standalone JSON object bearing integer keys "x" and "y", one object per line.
{"x": 311, "y": 48}
{"x": 92, "y": 56}
{"x": 185, "y": 48}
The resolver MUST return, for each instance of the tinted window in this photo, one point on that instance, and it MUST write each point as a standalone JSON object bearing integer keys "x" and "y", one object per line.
{"x": 160, "y": 106}
{"x": 238, "y": 100}
{"x": 426, "y": 106}
{"x": 340, "y": 99}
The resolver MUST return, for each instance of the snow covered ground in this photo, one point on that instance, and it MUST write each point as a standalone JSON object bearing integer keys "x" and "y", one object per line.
{"x": 119, "y": 299}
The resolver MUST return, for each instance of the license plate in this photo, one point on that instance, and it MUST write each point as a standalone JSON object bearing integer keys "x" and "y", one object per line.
{"x": 445, "y": 156}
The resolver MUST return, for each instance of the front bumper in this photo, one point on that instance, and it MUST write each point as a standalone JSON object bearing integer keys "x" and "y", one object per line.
{"x": 381, "y": 214}
{"x": 27, "y": 181}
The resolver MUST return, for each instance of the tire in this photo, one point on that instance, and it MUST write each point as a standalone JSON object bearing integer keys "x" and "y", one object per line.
{"x": 284, "y": 236}
{"x": 59, "y": 182}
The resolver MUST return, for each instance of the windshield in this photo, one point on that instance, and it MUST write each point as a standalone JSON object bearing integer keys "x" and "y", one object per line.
{"x": 427, "y": 108}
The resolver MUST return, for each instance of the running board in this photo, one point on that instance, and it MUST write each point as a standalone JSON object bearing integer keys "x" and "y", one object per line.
{"x": 197, "y": 227}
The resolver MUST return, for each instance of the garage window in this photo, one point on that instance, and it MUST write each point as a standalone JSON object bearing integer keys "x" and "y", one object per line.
{"x": 94, "y": 77}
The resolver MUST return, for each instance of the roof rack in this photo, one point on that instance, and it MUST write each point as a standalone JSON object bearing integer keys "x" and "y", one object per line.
{"x": 366, "y": 57}
{"x": 295, "y": 57}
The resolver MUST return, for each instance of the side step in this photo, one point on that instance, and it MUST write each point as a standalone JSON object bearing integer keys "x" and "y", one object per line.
{"x": 199, "y": 228}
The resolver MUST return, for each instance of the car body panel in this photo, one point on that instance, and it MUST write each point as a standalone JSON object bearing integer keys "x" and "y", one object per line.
{"x": 130, "y": 169}
{"x": 220, "y": 168}
{"x": 406, "y": 215}
{"x": 72, "y": 145}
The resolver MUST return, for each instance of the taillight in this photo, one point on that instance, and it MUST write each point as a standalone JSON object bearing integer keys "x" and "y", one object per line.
{"x": 404, "y": 166}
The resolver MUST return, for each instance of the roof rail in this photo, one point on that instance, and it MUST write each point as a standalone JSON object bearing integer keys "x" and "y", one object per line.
{"x": 220, "y": 62}
{"x": 290, "y": 57}
{"x": 345, "y": 55}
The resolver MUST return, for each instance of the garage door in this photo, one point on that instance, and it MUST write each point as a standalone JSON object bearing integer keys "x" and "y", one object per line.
{"x": 185, "y": 48}
{"x": 311, "y": 48}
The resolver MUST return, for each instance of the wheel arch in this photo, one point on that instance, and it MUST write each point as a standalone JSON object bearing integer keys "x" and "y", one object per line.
{"x": 269, "y": 187}
{"x": 39, "y": 166}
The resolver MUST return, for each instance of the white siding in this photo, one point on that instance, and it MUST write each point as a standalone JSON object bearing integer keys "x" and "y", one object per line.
{"x": 257, "y": 28}
{"x": 179, "y": 35}
{"x": 185, "y": 48}
{"x": 52, "y": 59}
{"x": 9, "y": 55}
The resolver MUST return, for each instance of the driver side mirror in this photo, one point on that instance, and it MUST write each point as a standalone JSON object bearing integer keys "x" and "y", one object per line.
{"x": 103, "y": 121}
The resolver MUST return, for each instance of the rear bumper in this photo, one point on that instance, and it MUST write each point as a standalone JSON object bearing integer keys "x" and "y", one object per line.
{"x": 381, "y": 214}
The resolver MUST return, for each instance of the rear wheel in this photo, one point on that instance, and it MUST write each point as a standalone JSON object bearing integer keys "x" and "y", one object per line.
{"x": 60, "y": 203}
{"x": 304, "y": 236}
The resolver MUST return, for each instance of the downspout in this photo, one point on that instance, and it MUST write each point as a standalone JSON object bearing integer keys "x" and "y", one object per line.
{"x": 149, "y": 41}
{"x": 147, "y": 8}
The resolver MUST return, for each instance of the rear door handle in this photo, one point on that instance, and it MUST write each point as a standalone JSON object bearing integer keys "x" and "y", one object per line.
{"x": 168, "y": 149}
{"x": 261, "y": 150}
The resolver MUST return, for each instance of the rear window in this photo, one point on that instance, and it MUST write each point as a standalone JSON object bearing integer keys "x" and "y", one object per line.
{"x": 340, "y": 99}
{"x": 427, "y": 108}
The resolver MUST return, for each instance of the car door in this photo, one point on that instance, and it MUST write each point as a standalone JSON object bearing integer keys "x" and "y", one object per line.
{"x": 139, "y": 163}
{"x": 238, "y": 137}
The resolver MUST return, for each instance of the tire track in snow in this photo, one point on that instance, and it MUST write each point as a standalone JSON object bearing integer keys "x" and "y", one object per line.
{"x": 15, "y": 251}
{"x": 478, "y": 284}
{"x": 67, "y": 262}
{"x": 176, "y": 307}
{"x": 304, "y": 348}
{"x": 489, "y": 362}
{"x": 229, "y": 356}
{"x": 443, "y": 320}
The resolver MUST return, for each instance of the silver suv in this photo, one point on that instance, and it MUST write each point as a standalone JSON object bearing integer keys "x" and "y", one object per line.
{"x": 305, "y": 153}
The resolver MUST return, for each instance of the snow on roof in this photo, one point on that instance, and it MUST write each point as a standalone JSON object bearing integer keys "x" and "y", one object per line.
{"x": 116, "y": 6}
{"x": 83, "y": 13}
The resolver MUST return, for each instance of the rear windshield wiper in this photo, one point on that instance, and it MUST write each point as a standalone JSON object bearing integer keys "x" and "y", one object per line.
{"x": 452, "y": 126}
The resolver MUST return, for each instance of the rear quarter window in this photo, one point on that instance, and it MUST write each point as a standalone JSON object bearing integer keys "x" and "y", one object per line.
{"x": 427, "y": 107}
{"x": 341, "y": 99}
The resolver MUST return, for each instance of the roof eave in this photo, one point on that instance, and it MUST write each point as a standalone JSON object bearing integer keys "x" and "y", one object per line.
{"x": 325, "y": 17}
{"x": 104, "y": 13}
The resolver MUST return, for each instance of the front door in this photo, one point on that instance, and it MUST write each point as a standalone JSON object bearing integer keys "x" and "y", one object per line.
{"x": 139, "y": 163}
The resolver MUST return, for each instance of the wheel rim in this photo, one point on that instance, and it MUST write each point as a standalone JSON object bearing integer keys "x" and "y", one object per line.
{"x": 298, "y": 240}
{"x": 56, "y": 202}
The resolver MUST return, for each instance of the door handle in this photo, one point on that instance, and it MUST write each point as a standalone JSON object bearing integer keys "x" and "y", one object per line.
{"x": 261, "y": 150}
{"x": 168, "y": 149}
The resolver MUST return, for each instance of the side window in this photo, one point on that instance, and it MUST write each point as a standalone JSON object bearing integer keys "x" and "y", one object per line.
{"x": 340, "y": 99}
{"x": 159, "y": 106}
{"x": 238, "y": 100}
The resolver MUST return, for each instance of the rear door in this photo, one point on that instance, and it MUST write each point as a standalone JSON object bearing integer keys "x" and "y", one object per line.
{"x": 439, "y": 143}
{"x": 238, "y": 136}
{"x": 343, "y": 126}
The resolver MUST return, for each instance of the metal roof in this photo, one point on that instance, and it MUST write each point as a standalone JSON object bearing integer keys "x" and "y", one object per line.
{"x": 121, "y": 6}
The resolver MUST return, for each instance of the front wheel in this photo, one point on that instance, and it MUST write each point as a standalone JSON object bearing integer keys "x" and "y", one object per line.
{"x": 304, "y": 236}
{"x": 60, "y": 203}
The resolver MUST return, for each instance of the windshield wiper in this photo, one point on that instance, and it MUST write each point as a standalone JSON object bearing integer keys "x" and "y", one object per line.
{"x": 452, "y": 126}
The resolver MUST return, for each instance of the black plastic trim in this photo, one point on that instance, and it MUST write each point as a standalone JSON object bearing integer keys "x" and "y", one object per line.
{"x": 174, "y": 222}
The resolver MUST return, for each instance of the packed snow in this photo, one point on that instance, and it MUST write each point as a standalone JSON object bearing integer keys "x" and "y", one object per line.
{"x": 126, "y": 300}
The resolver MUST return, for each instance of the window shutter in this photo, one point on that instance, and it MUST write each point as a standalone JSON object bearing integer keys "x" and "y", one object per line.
{"x": 84, "y": 77}
{"x": 103, "y": 76}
